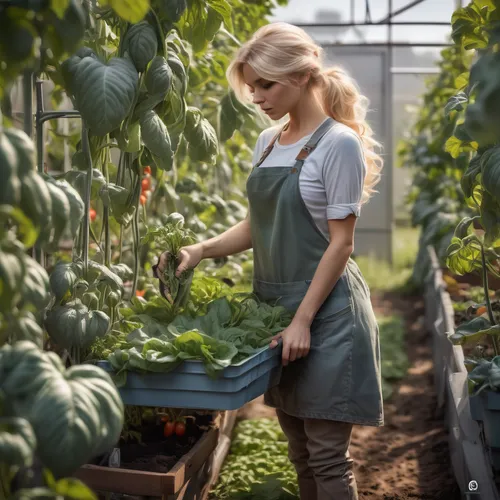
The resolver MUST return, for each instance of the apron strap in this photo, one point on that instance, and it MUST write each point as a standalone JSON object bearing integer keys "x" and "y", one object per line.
{"x": 270, "y": 146}
{"x": 313, "y": 142}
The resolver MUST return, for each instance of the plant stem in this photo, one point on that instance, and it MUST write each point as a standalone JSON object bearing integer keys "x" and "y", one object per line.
{"x": 135, "y": 230}
{"x": 487, "y": 298}
{"x": 88, "y": 188}
{"x": 105, "y": 221}
{"x": 121, "y": 244}
{"x": 162, "y": 35}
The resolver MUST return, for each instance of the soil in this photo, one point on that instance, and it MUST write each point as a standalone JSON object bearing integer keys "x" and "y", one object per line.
{"x": 407, "y": 458}
{"x": 157, "y": 453}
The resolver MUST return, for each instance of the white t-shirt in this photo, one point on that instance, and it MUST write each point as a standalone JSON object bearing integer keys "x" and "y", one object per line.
{"x": 332, "y": 177}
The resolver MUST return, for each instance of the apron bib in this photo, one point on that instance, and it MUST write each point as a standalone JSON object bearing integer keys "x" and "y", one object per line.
{"x": 340, "y": 377}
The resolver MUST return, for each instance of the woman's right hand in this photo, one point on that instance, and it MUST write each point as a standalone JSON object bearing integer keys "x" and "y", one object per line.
{"x": 189, "y": 257}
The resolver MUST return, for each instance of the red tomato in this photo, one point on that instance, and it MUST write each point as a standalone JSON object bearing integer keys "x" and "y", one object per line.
{"x": 92, "y": 214}
{"x": 143, "y": 199}
{"x": 146, "y": 184}
{"x": 169, "y": 428}
{"x": 147, "y": 170}
{"x": 180, "y": 428}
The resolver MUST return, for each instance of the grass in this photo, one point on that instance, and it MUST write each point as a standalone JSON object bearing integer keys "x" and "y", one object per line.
{"x": 380, "y": 275}
{"x": 394, "y": 361}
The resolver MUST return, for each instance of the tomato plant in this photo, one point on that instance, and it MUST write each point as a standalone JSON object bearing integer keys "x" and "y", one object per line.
{"x": 169, "y": 428}
{"x": 134, "y": 73}
{"x": 180, "y": 429}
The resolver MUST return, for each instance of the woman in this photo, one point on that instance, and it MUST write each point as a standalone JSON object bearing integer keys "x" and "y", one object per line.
{"x": 309, "y": 180}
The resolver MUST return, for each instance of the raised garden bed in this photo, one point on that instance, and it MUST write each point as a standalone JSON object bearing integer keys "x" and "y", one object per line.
{"x": 469, "y": 451}
{"x": 172, "y": 467}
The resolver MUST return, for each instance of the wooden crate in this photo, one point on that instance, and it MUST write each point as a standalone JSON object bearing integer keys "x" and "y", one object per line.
{"x": 171, "y": 484}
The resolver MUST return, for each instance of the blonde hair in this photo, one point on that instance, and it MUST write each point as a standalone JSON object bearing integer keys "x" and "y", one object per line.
{"x": 283, "y": 53}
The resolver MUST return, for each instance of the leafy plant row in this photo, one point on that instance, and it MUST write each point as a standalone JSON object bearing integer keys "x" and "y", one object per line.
{"x": 160, "y": 133}
{"x": 470, "y": 133}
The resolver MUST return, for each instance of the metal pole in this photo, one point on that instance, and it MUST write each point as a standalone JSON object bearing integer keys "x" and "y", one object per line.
{"x": 400, "y": 11}
{"x": 28, "y": 102}
{"x": 39, "y": 254}
{"x": 353, "y": 11}
{"x": 39, "y": 126}
{"x": 389, "y": 145}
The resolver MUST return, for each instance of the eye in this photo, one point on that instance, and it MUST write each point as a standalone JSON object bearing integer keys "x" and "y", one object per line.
{"x": 268, "y": 85}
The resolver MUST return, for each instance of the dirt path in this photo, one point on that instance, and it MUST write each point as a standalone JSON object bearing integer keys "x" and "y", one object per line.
{"x": 408, "y": 458}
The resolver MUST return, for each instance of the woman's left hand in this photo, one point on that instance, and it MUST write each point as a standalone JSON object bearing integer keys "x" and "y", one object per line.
{"x": 296, "y": 341}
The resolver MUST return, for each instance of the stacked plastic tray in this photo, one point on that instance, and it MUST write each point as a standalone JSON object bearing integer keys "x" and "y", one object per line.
{"x": 188, "y": 386}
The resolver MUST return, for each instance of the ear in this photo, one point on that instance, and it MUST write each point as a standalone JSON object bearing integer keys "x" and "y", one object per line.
{"x": 303, "y": 80}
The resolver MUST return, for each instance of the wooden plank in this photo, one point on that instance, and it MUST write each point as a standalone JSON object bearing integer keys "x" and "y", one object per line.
{"x": 143, "y": 483}
{"x": 190, "y": 463}
{"x": 221, "y": 451}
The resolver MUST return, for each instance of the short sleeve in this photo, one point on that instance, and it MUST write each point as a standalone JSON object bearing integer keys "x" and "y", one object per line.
{"x": 344, "y": 172}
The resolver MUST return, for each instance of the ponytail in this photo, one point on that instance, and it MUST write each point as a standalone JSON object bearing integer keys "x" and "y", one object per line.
{"x": 342, "y": 101}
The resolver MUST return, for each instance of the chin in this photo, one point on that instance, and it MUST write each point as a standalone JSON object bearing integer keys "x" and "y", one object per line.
{"x": 276, "y": 116}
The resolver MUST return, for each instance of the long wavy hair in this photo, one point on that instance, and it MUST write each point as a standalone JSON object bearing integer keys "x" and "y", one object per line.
{"x": 283, "y": 53}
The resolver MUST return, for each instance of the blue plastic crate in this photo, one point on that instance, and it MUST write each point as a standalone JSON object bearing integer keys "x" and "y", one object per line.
{"x": 188, "y": 386}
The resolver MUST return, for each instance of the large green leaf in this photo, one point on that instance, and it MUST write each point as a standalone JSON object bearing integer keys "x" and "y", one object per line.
{"x": 464, "y": 256}
{"x": 76, "y": 206}
{"x": 61, "y": 210}
{"x": 141, "y": 44}
{"x": 36, "y": 202}
{"x": 468, "y": 180}
{"x": 10, "y": 187}
{"x": 132, "y": 11}
{"x": 78, "y": 179}
{"x": 172, "y": 9}
{"x": 62, "y": 279}
{"x": 158, "y": 77}
{"x": 156, "y": 139}
{"x": 203, "y": 144}
{"x": 25, "y": 150}
{"x": 82, "y": 401}
{"x": 17, "y": 442}
{"x": 69, "y": 29}
{"x": 120, "y": 201}
{"x": 490, "y": 170}
{"x": 473, "y": 331}
{"x": 12, "y": 272}
{"x": 490, "y": 217}
{"x": 223, "y": 8}
{"x": 231, "y": 116}
{"x": 35, "y": 287}
{"x": 73, "y": 325}
{"x": 104, "y": 93}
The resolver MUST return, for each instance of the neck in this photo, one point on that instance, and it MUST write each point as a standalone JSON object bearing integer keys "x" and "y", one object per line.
{"x": 306, "y": 116}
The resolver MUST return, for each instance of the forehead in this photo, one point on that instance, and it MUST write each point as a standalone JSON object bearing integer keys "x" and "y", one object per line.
{"x": 250, "y": 75}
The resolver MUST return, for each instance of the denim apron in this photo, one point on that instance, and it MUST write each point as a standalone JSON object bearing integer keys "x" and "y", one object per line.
{"x": 340, "y": 377}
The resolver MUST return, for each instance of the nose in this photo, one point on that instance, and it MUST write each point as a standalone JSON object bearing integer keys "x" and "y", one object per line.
{"x": 257, "y": 99}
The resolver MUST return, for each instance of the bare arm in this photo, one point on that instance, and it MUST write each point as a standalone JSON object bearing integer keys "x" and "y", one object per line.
{"x": 297, "y": 336}
{"x": 329, "y": 269}
{"x": 234, "y": 240}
